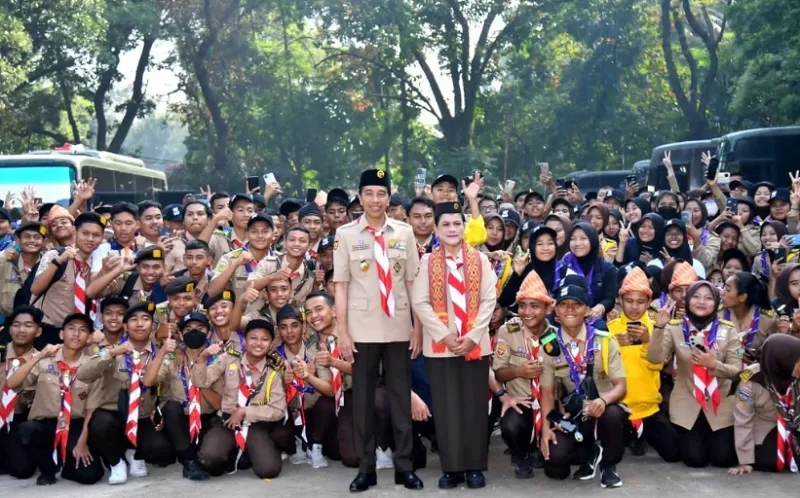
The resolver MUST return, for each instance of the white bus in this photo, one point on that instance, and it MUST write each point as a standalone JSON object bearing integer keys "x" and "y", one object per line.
{"x": 119, "y": 178}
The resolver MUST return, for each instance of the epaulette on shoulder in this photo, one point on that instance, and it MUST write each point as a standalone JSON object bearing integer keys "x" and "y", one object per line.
{"x": 236, "y": 252}
{"x": 220, "y": 233}
{"x": 232, "y": 352}
{"x": 767, "y": 312}
{"x": 675, "y": 321}
{"x": 513, "y": 325}
{"x": 726, "y": 322}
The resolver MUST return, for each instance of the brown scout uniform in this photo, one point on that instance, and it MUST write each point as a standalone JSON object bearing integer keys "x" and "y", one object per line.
{"x": 45, "y": 380}
{"x": 354, "y": 263}
{"x": 113, "y": 377}
{"x": 222, "y": 243}
{"x": 169, "y": 379}
{"x": 302, "y": 284}
{"x": 683, "y": 407}
{"x": 268, "y": 405}
{"x": 556, "y": 369}
{"x": 513, "y": 342}
{"x": 59, "y": 301}
{"x": 174, "y": 259}
{"x": 767, "y": 325}
{"x": 270, "y": 264}
{"x": 25, "y": 396}
{"x": 12, "y": 276}
{"x": 432, "y": 327}
{"x": 322, "y": 373}
{"x": 313, "y": 347}
{"x": 754, "y": 416}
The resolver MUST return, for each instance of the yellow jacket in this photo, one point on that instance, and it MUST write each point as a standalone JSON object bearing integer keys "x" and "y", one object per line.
{"x": 475, "y": 232}
{"x": 643, "y": 377}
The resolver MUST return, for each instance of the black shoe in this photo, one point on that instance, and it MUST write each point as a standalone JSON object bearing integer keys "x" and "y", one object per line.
{"x": 450, "y": 480}
{"x": 475, "y": 480}
{"x": 609, "y": 477}
{"x": 588, "y": 470}
{"x": 537, "y": 459}
{"x": 363, "y": 481}
{"x": 638, "y": 446}
{"x": 193, "y": 471}
{"x": 408, "y": 479}
{"x": 46, "y": 480}
{"x": 523, "y": 467}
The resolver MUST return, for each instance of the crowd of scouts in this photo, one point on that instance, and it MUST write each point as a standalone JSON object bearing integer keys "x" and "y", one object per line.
{"x": 224, "y": 336}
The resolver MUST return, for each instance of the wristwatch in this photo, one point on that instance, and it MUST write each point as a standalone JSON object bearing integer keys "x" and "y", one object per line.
{"x": 500, "y": 393}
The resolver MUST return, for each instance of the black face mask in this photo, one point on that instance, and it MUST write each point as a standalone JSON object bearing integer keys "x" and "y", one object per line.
{"x": 669, "y": 213}
{"x": 194, "y": 339}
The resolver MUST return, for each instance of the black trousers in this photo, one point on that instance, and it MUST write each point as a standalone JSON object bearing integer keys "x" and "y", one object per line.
{"x": 107, "y": 434}
{"x": 766, "y": 453}
{"x": 265, "y": 441}
{"x": 460, "y": 411}
{"x": 701, "y": 446}
{"x": 397, "y": 368}
{"x": 660, "y": 435}
{"x": 567, "y": 451}
{"x": 38, "y": 437}
{"x": 176, "y": 426}
{"x": 14, "y": 459}
{"x": 516, "y": 429}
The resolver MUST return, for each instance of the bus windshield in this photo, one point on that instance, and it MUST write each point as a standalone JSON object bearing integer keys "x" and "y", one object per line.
{"x": 53, "y": 182}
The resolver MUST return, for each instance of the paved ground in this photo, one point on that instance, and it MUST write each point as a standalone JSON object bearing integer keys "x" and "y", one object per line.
{"x": 644, "y": 477}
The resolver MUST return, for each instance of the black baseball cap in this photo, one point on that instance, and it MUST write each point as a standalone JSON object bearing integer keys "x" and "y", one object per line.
{"x": 573, "y": 293}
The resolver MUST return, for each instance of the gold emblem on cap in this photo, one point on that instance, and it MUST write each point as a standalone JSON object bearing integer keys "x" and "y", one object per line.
{"x": 156, "y": 253}
{"x": 381, "y": 174}
{"x": 364, "y": 265}
{"x": 103, "y": 220}
{"x": 226, "y": 294}
{"x": 190, "y": 287}
{"x": 151, "y": 307}
{"x": 455, "y": 206}
{"x": 43, "y": 231}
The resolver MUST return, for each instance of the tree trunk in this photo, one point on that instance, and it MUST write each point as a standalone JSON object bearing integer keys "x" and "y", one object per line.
{"x": 137, "y": 97}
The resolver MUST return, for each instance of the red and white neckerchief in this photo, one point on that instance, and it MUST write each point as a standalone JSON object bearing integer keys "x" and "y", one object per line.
{"x": 384, "y": 271}
{"x": 337, "y": 380}
{"x": 246, "y": 385}
{"x": 705, "y": 384}
{"x": 533, "y": 355}
{"x": 457, "y": 291}
{"x": 785, "y": 451}
{"x": 79, "y": 287}
{"x": 296, "y": 273}
{"x": 9, "y": 399}
{"x": 134, "y": 398}
{"x": 66, "y": 376}
{"x": 638, "y": 425}
{"x": 237, "y": 244}
{"x": 293, "y": 392}
{"x": 195, "y": 422}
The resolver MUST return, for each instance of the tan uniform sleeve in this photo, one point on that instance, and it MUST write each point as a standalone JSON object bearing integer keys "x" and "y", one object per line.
{"x": 750, "y": 241}
{"x": 616, "y": 368}
{"x": 707, "y": 254}
{"x": 548, "y": 377}
{"x": 488, "y": 301}
{"x": 412, "y": 258}
{"x": 502, "y": 354}
{"x": 744, "y": 414}
{"x": 204, "y": 375}
{"x": 421, "y": 303}
{"x": 341, "y": 258}
{"x": 31, "y": 379}
{"x": 271, "y": 409}
{"x": 661, "y": 345}
{"x": 730, "y": 365}
{"x": 95, "y": 367}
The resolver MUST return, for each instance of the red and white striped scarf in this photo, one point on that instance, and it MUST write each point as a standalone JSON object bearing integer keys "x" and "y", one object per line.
{"x": 9, "y": 399}
{"x": 337, "y": 379}
{"x": 785, "y": 451}
{"x": 533, "y": 355}
{"x": 195, "y": 422}
{"x": 384, "y": 271}
{"x": 67, "y": 376}
{"x": 134, "y": 399}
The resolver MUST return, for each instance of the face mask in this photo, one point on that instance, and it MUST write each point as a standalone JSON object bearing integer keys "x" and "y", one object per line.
{"x": 194, "y": 339}
{"x": 669, "y": 213}
{"x": 712, "y": 208}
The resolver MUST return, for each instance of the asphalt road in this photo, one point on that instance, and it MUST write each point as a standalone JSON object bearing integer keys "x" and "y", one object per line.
{"x": 646, "y": 476}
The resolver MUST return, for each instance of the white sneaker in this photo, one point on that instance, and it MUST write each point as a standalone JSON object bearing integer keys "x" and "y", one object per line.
{"x": 119, "y": 473}
{"x": 383, "y": 459}
{"x": 138, "y": 467}
{"x": 300, "y": 456}
{"x": 318, "y": 461}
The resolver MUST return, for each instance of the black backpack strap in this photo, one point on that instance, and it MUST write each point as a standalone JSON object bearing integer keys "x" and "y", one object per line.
{"x": 60, "y": 270}
{"x": 127, "y": 290}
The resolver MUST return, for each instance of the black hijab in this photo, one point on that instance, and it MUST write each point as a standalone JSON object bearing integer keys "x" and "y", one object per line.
{"x": 701, "y": 322}
{"x": 779, "y": 354}
{"x": 644, "y": 206}
{"x": 684, "y": 251}
{"x": 635, "y": 246}
{"x": 545, "y": 269}
{"x": 590, "y": 260}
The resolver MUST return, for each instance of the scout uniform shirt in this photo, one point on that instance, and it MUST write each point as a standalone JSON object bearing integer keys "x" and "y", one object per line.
{"x": 25, "y": 396}
{"x": 222, "y": 243}
{"x": 12, "y": 275}
{"x": 354, "y": 262}
{"x": 556, "y": 369}
{"x": 59, "y": 300}
{"x": 174, "y": 382}
{"x": 433, "y": 329}
{"x": 322, "y": 373}
{"x": 752, "y": 339}
{"x": 45, "y": 379}
{"x": 114, "y": 376}
{"x": 235, "y": 343}
{"x": 755, "y": 416}
{"x": 683, "y": 407}
{"x": 268, "y": 405}
{"x": 165, "y": 313}
{"x": 313, "y": 346}
{"x": 238, "y": 282}
{"x": 514, "y": 345}
{"x": 302, "y": 280}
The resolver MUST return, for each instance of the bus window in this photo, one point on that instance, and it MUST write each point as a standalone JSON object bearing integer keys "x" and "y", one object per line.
{"x": 104, "y": 177}
{"x": 158, "y": 184}
{"x": 753, "y": 148}
{"x": 125, "y": 182}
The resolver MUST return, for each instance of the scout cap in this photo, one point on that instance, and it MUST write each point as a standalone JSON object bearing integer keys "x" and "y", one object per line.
{"x": 375, "y": 178}
{"x": 225, "y": 295}
{"x": 153, "y": 253}
{"x": 179, "y": 286}
{"x": 573, "y": 293}
{"x": 194, "y": 316}
{"x": 141, "y": 307}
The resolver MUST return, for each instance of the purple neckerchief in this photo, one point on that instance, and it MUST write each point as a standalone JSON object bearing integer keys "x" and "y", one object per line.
{"x": 306, "y": 388}
{"x": 572, "y": 264}
{"x": 704, "y": 235}
{"x": 434, "y": 241}
{"x": 575, "y": 374}
{"x": 750, "y": 334}
{"x": 662, "y": 301}
{"x": 116, "y": 246}
{"x": 757, "y": 221}
{"x": 129, "y": 362}
{"x": 710, "y": 340}
{"x": 559, "y": 266}
{"x": 499, "y": 267}
{"x": 247, "y": 266}
{"x": 764, "y": 268}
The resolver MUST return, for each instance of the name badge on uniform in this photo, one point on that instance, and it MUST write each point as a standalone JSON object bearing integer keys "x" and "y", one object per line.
{"x": 361, "y": 246}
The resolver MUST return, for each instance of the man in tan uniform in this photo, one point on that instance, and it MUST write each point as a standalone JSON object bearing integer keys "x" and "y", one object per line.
{"x": 16, "y": 267}
{"x": 375, "y": 261}
{"x": 570, "y": 353}
{"x": 221, "y": 243}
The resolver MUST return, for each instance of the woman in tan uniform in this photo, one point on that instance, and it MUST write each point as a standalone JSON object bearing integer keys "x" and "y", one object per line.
{"x": 705, "y": 349}
{"x": 454, "y": 297}
{"x": 745, "y": 304}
